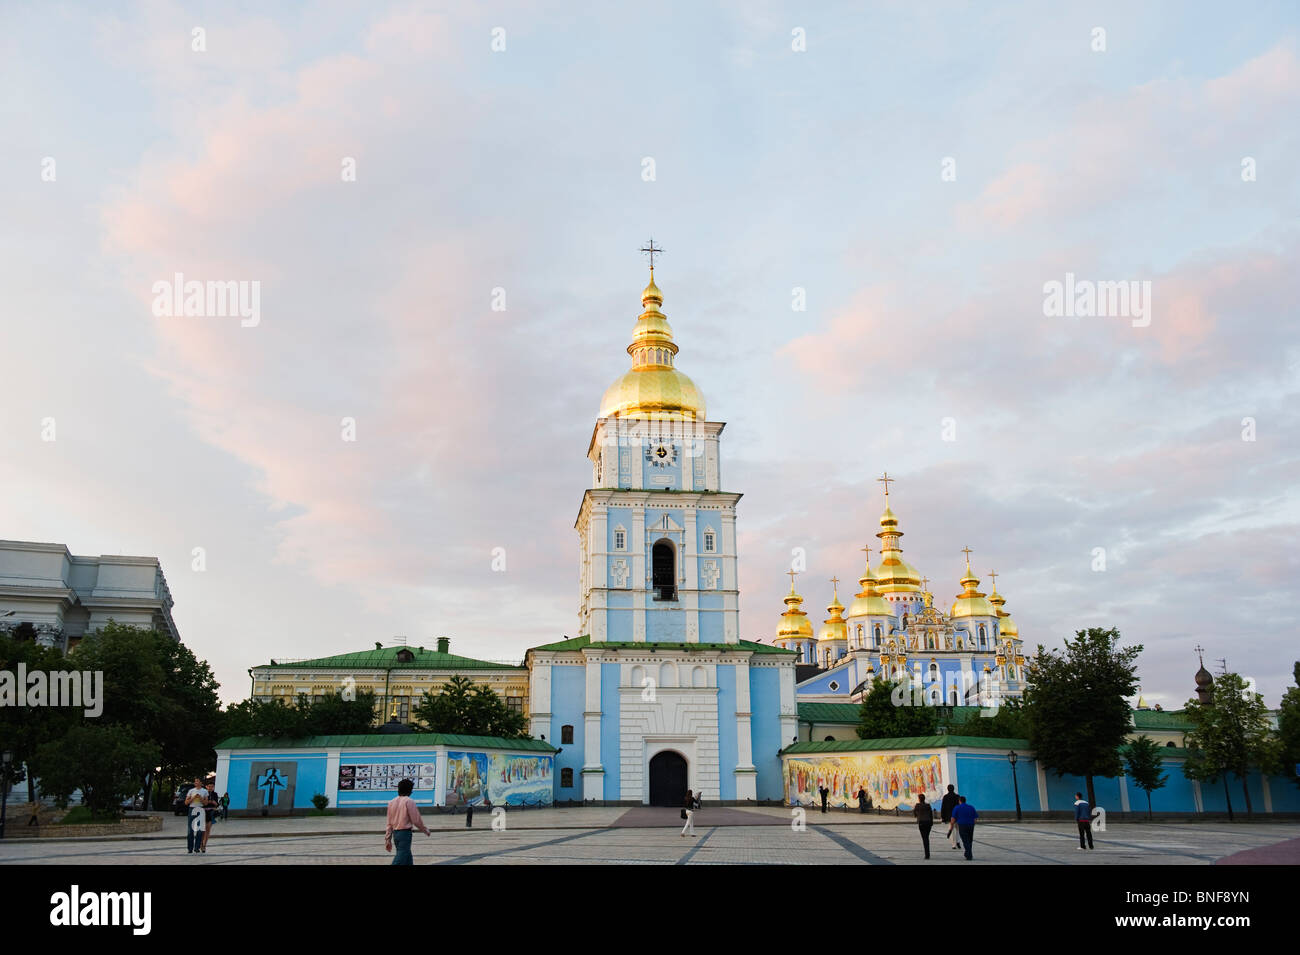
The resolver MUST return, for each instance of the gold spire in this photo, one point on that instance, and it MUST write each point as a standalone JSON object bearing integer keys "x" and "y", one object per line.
{"x": 836, "y": 628}
{"x": 868, "y": 602}
{"x": 894, "y": 575}
{"x": 653, "y": 388}
{"x": 1006, "y": 626}
{"x": 970, "y": 602}
{"x": 794, "y": 621}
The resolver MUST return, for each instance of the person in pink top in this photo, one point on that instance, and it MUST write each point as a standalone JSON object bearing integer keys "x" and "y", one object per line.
{"x": 403, "y": 818}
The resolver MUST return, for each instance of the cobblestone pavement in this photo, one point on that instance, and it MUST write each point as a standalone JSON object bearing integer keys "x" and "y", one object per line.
{"x": 622, "y": 836}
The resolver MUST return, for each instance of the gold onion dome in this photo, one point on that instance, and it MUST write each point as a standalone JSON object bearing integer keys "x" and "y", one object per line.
{"x": 970, "y": 602}
{"x": 653, "y": 388}
{"x": 794, "y": 622}
{"x": 894, "y": 575}
{"x": 868, "y": 602}
{"x": 1006, "y": 626}
{"x": 836, "y": 628}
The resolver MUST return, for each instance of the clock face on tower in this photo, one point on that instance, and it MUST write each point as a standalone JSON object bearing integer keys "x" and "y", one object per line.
{"x": 661, "y": 454}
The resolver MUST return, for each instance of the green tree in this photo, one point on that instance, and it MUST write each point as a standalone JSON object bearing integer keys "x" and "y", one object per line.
{"x": 23, "y": 729}
{"x": 272, "y": 719}
{"x": 1288, "y": 725}
{"x": 105, "y": 761}
{"x": 469, "y": 708}
{"x": 1007, "y": 722}
{"x": 1076, "y": 704}
{"x": 336, "y": 715}
{"x": 1144, "y": 764}
{"x": 1230, "y": 734}
{"x": 890, "y": 710}
{"x": 159, "y": 689}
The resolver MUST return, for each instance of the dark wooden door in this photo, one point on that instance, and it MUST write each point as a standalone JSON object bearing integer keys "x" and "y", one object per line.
{"x": 667, "y": 779}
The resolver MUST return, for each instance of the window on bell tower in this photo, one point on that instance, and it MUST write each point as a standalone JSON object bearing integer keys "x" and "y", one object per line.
{"x": 664, "y": 572}
{"x": 708, "y": 542}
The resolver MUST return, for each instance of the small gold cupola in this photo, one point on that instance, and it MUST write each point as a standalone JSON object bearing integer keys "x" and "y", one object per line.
{"x": 794, "y": 621}
{"x": 894, "y": 575}
{"x": 970, "y": 602}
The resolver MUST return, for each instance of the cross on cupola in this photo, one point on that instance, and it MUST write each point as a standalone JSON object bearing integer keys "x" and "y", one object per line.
{"x": 651, "y": 250}
{"x": 886, "y": 480}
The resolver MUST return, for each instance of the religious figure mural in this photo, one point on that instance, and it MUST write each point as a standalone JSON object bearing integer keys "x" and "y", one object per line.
{"x": 890, "y": 780}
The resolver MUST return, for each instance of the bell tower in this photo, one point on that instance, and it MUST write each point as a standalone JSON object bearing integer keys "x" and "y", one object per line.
{"x": 657, "y": 534}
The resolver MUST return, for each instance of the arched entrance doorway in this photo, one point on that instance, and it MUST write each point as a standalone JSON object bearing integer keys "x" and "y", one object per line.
{"x": 667, "y": 779}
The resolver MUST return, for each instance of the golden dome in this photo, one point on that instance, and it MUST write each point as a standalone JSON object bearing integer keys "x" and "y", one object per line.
{"x": 1006, "y": 626}
{"x": 868, "y": 602}
{"x": 970, "y": 602}
{"x": 894, "y": 575}
{"x": 836, "y": 628}
{"x": 653, "y": 388}
{"x": 794, "y": 622}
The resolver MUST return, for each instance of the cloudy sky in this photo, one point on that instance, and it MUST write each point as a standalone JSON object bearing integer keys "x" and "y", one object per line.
{"x": 919, "y": 174}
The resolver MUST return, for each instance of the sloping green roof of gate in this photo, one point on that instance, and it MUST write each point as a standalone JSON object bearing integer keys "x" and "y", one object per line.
{"x": 900, "y": 742}
{"x": 579, "y": 643}
{"x": 385, "y": 658}
{"x": 385, "y": 740}
{"x": 1161, "y": 720}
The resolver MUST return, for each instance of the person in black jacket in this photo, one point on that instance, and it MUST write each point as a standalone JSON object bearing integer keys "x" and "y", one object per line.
{"x": 825, "y": 793}
{"x": 924, "y": 820}
{"x": 945, "y": 815}
{"x": 688, "y": 813}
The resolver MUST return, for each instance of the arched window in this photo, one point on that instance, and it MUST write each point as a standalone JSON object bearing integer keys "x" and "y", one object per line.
{"x": 981, "y": 635}
{"x": 828, "y": 739}
{"x": 566, "y": 779}
{"x": 664, "y": 573}
{"x": 877, "y": 631}
{"x": 708, "y": 542}
{"x": 859, "y": 634}
{"x": 566, "y": 734}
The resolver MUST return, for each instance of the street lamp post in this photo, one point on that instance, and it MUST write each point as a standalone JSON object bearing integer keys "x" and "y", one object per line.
{"x": 1011, "y": 758}
{"x": 5, "y": 762}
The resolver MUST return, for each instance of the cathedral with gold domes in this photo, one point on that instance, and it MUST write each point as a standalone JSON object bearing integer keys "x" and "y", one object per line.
{"x": 893, "y": 631}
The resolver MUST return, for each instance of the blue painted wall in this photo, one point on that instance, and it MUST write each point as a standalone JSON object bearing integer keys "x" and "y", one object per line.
{"x": 568, "y": 699}
{"x": 609, "y": 736}
{"x": 310, "y": 780}
{"x": 765, "y": 730}
{"x": 728, "y": 742}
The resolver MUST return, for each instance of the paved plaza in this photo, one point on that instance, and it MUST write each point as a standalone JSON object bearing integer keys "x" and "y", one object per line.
{"x": 646, "y": 836}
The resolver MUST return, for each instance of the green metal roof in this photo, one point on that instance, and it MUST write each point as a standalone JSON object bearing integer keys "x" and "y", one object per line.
{"x": 385, "y": 739}
{"x": 830, "y": 712}
{"x": 579, "y": 643}
{"x": 1161, "y": 720}
{"x": 385, "y": 658}
{"x": 900, "y": 742}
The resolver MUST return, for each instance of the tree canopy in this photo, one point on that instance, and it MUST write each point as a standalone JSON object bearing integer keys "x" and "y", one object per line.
{"x": 1076, "y": 704}
{"x": 466, "y": 707}
{"x": 1288, "y": 725}
{"x": 336, "y": 714}
{"x": 1144, "y": 764}
{"x": 1230, "y": 735}
{"x": 885, "y": 714}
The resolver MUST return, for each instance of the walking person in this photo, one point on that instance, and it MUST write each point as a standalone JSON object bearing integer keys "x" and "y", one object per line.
{"x": 924, "y": 814}
{"x": 964, "y": 815}
{"x": 211, "y": 804}
{"x": 688, "y": 813}
{"x": 194, "y": 817}
{"x": 945, "y": 814}
{"x": 403, "y": 819}
{"x": 1083, "y": 819}
{"x": 862, "y": 799}
{"x": 825, "y": 794}
{"x": 225, "y": 806}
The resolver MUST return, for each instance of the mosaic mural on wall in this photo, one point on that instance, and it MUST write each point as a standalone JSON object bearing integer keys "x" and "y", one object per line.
{"x": 889, "y": 781}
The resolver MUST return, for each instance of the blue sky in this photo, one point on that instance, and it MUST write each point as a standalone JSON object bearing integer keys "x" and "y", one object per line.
{"x": 775, "y": 169}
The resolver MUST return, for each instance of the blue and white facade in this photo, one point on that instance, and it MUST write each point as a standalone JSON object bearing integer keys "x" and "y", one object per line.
{"x": 660, "y": 694}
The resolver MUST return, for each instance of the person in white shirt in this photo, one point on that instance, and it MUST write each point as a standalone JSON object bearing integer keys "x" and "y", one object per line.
{"x": 195, "y": 822}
